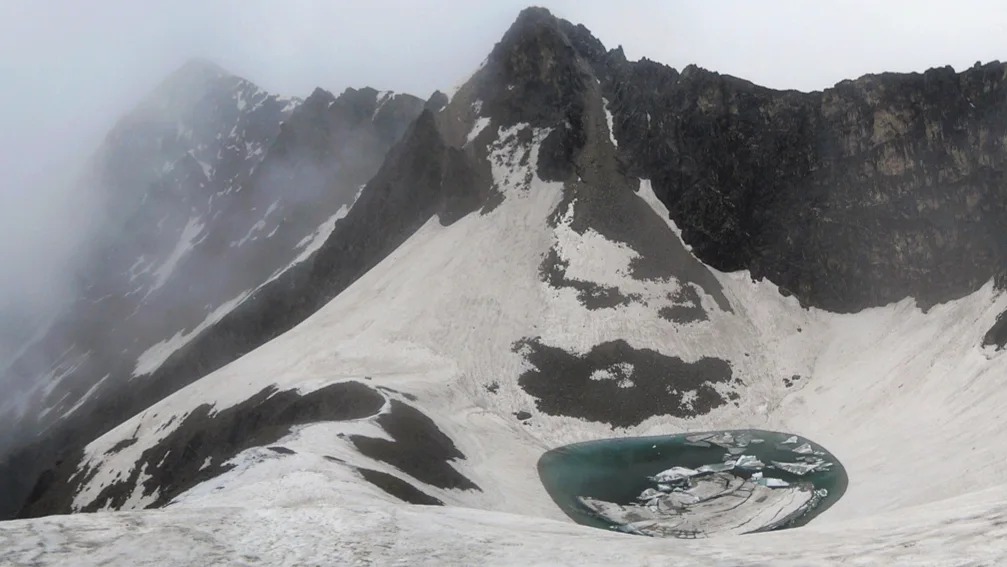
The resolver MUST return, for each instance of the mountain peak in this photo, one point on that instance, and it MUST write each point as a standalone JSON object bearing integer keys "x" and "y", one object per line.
{"x": 534, "y": 15}
{"x": 533, "y": 74}
{"x": 200, "y": 67}
{"x": 183, "y": 87}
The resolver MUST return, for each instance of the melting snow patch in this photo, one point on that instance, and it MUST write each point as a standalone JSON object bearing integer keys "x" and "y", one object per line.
{"x": 87, "y": 395}
{"x": 382, "y": 98}
{"x": 289, "y": 104}
{"x": 207, "y": 168}
{"x": 481, "y": 123}
{"x": 314, "y": 241}
{"x": 646, "y": 192}
{"x": 152, "y": 358}
{"x": 513, "y": 163}
{"x": 689, "y": 398}
{"x": 611, "y": 123}
{"x": 185, "y": 242}
{"x": 257, "y": 227}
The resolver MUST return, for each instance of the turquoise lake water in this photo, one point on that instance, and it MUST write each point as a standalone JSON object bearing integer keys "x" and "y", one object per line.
{"x": 617, "y": 470}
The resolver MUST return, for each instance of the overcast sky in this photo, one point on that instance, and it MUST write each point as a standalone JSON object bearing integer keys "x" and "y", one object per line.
{"x": 69, "y": 68}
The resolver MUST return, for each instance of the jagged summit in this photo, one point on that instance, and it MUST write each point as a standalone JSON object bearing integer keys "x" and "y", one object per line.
{"x": 533, "y": 74}
{"x": 198, "y": 67}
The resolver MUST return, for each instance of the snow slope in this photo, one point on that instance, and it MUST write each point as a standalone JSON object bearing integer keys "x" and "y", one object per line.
{"x": 967, "y": 533}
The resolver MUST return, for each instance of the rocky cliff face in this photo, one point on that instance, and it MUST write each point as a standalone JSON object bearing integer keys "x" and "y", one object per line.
{"x": 880, "y": 188}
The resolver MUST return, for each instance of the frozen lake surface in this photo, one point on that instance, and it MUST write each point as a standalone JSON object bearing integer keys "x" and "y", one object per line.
{"x": 694, "y": 485}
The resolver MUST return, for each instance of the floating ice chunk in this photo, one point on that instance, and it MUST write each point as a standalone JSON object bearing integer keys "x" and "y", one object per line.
{"x": 664, "y": 487}
{"x": 736, "y": 450}
{"x": 757, "y": 475}
{"x": 796, "y": 468}
{"x": 697, "y": 444}
{"x": 749, "y": 462}
{"x": 718, "y": 467}
{"x": 725, "y": 439}
{"x": 791, "y": 440}
{"x": 757, "y": 440}
{"x": 804, "y": 449}
{"x": 648, "y": 494}
{"x": 698, "y": 437}
{"x": 674, "y": 474}
{"x": 774, "y": 482}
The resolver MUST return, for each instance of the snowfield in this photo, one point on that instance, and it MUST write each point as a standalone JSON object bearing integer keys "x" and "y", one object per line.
{"x": 968, "y": 531}
{"x": 909, "y": 402}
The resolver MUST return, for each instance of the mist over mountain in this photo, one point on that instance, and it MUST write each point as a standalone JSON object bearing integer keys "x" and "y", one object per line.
{"x": 353, "y": 328}
{"x": 211, "y": 188}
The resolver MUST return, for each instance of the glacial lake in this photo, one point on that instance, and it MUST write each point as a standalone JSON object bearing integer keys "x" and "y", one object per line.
{"x": 694, "y": 485}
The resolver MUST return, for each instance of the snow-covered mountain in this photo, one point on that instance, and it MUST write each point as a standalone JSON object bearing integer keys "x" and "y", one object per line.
{"x": 211, "y": 188}
{"x": 561, "y": 251}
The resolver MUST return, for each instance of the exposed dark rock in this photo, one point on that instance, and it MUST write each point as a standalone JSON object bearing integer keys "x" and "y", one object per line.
{"x": 688, "y": 307}
{"x": 790, "y": 382}
{"x": 549, "y": 84}
{"x": 419, "y": 449}
{"x": 121, "y": 445}
{"x": 997, "y": 334}
{"x": 591, "y": 295}
{"x": 877, "y": 189}
{"x": 522, "y": 415}
{"x": 493, "y": 387}
{"x": 398, "y": 488}
{"x": 282, "y": 450}
{"x": 633, "y": 385}
{"x": 437, "y": 101}
{"x": 199, "y": 447}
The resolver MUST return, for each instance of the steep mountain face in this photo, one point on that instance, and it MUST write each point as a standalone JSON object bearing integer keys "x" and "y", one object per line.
{"x": 213, "y": 187}
{"x": 880, "y": 188}
{"x": 543, "y": 259}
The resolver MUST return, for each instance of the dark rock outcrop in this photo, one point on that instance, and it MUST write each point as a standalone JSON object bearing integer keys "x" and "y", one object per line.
{"x": 886, "y": 187}
{"x": 398, "y": 488}
{"x": 419, "y": 449}
{"x": 617, "y": 384}
{"x": 880, "y": 188}
{"x": 200, "y": 447}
